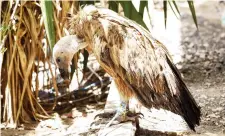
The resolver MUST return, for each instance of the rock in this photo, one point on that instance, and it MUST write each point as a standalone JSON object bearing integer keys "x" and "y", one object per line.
{"x": 202, "y": 55}
{"x": 218, "y": 66}
{"x": 187, "y": 39}
{"x": 216, "y": 123}
{"x": 207, "y": 64}
{"x": 20, "y": 128}
{"x": 222, "y": 35}
{"x": 210, "y": 134}
{"x": 188, "y": 57}
{"x": 207, "y": 119}
{"x": 213, "y": 115}
{"x": 221, "y": 54}
{"x": 191, "y": 45}
{"x": 203, "y": 96}
{"x": 218, "y": 109}
{"x": 222, "y": 122}
{"x": 206, "y": 45}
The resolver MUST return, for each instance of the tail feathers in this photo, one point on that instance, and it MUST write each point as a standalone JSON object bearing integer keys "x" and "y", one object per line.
{"x": 190, "y": 111}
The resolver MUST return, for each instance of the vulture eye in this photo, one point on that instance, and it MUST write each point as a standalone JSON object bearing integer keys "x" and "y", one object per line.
{"x": 58, "y": 60}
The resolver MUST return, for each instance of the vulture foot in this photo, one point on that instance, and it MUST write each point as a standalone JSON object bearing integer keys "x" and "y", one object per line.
{"x": 118, "y": 117}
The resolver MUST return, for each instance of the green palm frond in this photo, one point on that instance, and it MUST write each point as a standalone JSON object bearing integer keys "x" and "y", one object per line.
{"x": 47, "y": 12}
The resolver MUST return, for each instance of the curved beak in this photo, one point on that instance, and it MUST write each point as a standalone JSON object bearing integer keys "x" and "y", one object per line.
{"x": 64, "y": 73}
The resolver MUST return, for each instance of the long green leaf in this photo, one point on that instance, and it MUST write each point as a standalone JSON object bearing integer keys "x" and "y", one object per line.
{"x": 113, "y": 5}
{"x": 175, "y": 5}
{"x": 172, "y": 9}
{"x": 165, "y": 11}
{"x": 47, "y": 12}
{"x": 142, "y": 6}
{"x": 127, "y": 7}
{"x": 86, "y": 2}
{"x": 131, "y": 13}
{"x": 192, "y": 8}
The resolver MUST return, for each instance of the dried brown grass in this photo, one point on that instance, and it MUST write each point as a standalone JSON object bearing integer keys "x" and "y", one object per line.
{"x": 22, "y": 36}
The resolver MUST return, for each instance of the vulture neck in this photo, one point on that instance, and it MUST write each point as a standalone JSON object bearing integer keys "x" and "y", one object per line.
{"x": 77, "y": 44}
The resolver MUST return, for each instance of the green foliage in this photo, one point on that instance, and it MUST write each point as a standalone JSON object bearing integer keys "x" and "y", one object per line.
{"x": 4, "y": 28}
{"x": 113, "y": 5}
{"x": 175, "y": 5}
{"x": 170, "y": 3}
{"x": 131, "y": 12}
{"x": 192, "y": 9}
{"x": 142, "y": 6}
{"x": 3, "y": 49}
{"x": 48, "y": 15}
{"x": 82, "y": 3}
{"x": 165, "y": 11}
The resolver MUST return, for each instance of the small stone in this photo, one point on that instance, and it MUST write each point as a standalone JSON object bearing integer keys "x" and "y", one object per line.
{"x": 202, "y": 55}
{"x": 222, "y": 35}
{"x": 201, "y": 104}
{"x": 222, "y": 122}
{"x": 205, "y": 44}
{"x": 210, "y": 134}
{"x": 208, "y": 84}
{"x": 179, "y": 66}
{"x": 21, "y": 128}
{"x": 188, "y": 57}
{"x": 63, "y": 117}
{"x": 191, "y": 45}
{"x": 207, "y": 64}
{"x": 187, "y": 39}
{"x": 203, "y": 96}
{"x": 218, "y": 66}
{"x": 216, "y": 123}
{"x": 218, "y": 109}
{"x": 213, "y": 115}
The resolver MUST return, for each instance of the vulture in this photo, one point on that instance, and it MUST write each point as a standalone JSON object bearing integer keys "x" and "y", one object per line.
{"x": 139, "y": 64}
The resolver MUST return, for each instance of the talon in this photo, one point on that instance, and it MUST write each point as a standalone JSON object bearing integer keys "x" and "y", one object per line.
{"x": 105, "y": 115}
{"x": 93, "y": 123}
{"x": 139, "y": 115}
{"x": 102, "y": 118}
{"x": 98, "y": 115}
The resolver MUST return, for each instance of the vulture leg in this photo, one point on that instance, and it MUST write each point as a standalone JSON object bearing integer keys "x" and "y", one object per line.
{"x": 113, "y": 118}
{"x": 122, "y": 115}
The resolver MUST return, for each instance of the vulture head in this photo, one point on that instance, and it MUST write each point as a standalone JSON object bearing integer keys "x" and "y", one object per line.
{"x": 64, "y": 51}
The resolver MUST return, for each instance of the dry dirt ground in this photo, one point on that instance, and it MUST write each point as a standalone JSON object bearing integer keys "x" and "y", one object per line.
{"x": 208, "y": 90}
{"x": 202, "y": 66}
